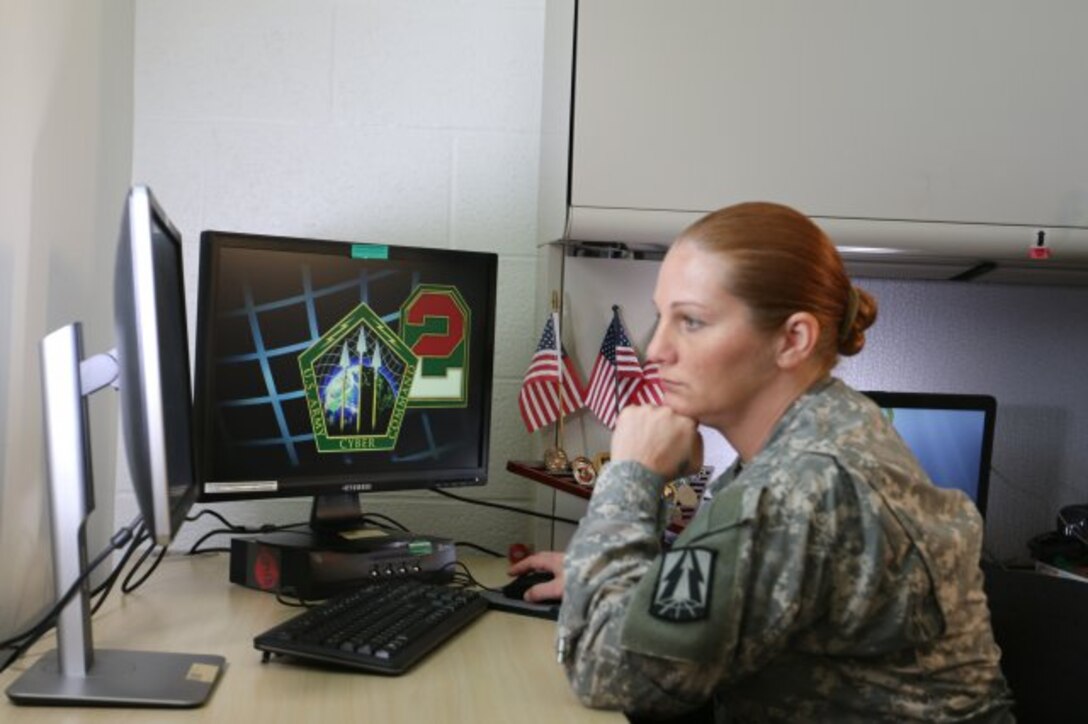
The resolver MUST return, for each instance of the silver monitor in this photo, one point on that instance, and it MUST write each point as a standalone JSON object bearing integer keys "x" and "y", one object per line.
{"x": 151, "y": 367}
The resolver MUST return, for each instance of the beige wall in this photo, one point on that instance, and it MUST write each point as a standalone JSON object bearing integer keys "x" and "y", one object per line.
{"x": 65, "y": 159}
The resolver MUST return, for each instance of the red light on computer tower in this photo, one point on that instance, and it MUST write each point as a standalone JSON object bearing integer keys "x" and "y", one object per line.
{"x": 266, "y": 569}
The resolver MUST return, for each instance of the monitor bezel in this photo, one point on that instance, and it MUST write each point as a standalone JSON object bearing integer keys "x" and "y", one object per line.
{"x": 305, "y": 486}
{"x": 153, "y": 464}
{"x": 986, "y": 404}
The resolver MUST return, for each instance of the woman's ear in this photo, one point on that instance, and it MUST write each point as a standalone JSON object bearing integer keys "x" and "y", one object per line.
{"x": 797, "y": 340}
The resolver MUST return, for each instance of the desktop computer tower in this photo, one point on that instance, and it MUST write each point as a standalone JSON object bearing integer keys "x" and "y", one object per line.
{"x": 311, "y": 565}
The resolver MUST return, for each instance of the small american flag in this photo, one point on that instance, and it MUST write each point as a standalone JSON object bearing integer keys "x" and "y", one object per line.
{"x": 649, "y": 392}
{"x": 616, "y": 374}
{"x": 539, "y": 400}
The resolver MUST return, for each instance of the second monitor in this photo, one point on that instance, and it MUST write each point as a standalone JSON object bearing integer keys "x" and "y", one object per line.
{"x": 329, "y": 369}
{"x": 951, "y": 435}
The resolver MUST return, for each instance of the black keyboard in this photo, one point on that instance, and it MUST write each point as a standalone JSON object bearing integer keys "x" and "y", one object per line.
{"x": 383, "y": 627}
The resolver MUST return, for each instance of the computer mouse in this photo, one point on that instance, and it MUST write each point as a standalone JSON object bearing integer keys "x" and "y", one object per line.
{"x": 516, "y": 588}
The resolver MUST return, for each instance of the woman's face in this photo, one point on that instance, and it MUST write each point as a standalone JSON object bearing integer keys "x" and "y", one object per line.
{"x": 713, "y": 361}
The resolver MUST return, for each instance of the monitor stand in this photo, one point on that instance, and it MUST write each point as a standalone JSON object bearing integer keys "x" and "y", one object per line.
{"x": 338, "y": 551}
{"x": 75, "y": 673}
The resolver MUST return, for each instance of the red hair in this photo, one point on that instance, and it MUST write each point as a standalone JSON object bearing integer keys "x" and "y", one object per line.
{"x": 781, "y": 263}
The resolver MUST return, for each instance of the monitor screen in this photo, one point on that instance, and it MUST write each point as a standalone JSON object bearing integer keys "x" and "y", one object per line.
{"x": 328, "y": 367}
{"x": 951, "y": 435}
{"x": 153, "y": 360}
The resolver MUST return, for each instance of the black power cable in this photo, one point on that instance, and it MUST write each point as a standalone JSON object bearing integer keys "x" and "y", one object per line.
{"x": 21, "y": 642}
{"x": 501, "y": 506}
{"x": 104, "y": 589}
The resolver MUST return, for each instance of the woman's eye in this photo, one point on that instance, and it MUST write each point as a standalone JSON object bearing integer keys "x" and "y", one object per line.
{"x": 690, "y": 323}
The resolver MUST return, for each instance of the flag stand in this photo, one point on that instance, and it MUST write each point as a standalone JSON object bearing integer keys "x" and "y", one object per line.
{"x": 555, "y": 458}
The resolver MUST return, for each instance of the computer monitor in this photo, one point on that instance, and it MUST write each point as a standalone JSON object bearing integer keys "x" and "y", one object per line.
{"x": 329, "y": 369}
{"x": 151, "y": 367}
{"x": 951, "y": 435}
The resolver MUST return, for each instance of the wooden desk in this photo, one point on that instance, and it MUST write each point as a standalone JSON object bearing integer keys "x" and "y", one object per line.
{"x": 501, "y": 668}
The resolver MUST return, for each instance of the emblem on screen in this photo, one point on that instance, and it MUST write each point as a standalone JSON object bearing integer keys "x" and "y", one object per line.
{"x": 434, "y": 322}
{"x": 357, "y": 378}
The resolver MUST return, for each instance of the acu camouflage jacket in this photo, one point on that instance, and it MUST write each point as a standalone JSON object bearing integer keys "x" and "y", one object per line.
{"x": 829, "y": 580}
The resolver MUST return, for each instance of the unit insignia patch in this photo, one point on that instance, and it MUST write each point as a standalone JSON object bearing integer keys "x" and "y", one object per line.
{"x": 682, "y": 592}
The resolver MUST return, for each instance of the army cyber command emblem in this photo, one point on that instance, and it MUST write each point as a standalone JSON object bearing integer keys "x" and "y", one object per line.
{"x": 357, "y": 378}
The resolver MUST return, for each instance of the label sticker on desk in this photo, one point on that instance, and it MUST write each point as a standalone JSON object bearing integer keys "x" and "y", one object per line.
{"x": 204, "y": 673}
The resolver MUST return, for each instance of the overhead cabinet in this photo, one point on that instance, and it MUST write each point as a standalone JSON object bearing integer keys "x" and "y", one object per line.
{"x": 943, "y": 136}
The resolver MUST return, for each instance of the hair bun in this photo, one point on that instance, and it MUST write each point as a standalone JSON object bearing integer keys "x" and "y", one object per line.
{"x": 860, "y": 315}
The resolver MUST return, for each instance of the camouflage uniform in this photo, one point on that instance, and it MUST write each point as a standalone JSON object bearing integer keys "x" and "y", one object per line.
{"x": 829, "y": 580}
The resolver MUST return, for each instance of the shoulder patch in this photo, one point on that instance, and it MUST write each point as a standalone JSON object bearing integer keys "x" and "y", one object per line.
{"x": 683, "y": 587}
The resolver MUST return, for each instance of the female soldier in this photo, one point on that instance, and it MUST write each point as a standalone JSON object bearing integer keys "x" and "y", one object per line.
{"x": 827, "y": 579}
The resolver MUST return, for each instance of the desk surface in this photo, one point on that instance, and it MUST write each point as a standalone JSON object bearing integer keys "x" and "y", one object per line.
{"x": 501, "y": 668}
